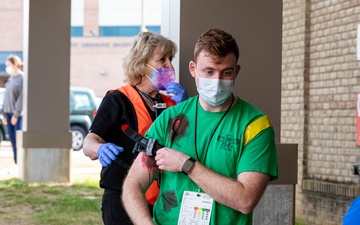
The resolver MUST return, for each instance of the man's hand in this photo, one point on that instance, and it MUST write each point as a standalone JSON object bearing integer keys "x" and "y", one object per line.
{"x": 179, "y": 92}
{"x": 108, "y": 152}
{"x": 170, "y": 160}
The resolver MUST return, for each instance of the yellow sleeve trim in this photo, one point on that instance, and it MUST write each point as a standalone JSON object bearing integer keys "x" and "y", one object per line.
{"x": 255, "y": 128}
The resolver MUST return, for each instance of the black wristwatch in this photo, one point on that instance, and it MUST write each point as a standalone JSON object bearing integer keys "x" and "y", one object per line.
{"x": 188, "y": 165}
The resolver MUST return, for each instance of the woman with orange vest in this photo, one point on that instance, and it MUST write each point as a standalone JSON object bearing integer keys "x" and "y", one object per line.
{"x": 147, "y": 69}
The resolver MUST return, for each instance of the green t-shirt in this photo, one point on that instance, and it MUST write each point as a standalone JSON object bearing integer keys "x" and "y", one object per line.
{"x": 242, "y": 141}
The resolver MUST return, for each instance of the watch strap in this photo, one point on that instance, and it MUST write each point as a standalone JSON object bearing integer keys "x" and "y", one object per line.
{"x": 192, "y": 159}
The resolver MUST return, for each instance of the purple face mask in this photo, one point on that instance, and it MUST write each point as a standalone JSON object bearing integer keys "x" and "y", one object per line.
{"x": 161, "y": 76}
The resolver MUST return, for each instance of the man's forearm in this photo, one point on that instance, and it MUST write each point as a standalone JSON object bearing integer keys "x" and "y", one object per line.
{"x": 138, "y": 180}
{"x": 241, "y": 195}
{"x": 135, "y": 204}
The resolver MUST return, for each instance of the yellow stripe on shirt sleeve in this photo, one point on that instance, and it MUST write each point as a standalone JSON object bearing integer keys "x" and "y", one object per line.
{"x": 255, "y": 128}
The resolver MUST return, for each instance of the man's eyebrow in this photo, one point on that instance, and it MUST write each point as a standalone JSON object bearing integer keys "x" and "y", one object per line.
{"x": 228, "y": 69}
{"x": 211, "y": 68}
{"x": 208, "y": 68}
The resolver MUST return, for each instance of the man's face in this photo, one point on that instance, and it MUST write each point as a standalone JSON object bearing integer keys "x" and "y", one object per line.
{"x": 214, "y": 67}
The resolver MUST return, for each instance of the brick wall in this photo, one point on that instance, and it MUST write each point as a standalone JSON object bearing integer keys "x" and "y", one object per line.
{"x": 293, "y": 100}
{"x": 91, "y": 17}
{"x": 320, "y": 78}
{"x": 11, "y": 25}
{"x": 96, "y": 62}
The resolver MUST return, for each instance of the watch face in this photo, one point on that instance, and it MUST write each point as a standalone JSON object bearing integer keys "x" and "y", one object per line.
{"x": 188, "y": 165}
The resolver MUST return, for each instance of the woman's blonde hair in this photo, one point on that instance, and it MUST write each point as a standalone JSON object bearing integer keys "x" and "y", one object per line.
{"x": 15, "y": 60}
{"x": 141, "y": 50}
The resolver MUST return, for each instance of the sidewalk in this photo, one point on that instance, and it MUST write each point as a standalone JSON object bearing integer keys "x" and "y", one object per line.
{"x": 82, "y": 167}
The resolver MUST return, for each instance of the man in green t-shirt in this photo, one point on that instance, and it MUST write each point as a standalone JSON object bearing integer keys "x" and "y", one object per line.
{"x": 219, "y": 153}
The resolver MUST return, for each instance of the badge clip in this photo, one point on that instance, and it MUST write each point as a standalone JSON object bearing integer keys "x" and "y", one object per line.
{"x": 160, "y": 105}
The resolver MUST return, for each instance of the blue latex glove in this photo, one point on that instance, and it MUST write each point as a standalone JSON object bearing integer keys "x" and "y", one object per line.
{"x": 179, "y": 92}
{"x": 107, "y": 153}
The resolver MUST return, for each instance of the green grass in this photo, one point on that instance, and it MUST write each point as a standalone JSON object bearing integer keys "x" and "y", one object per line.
{"x": 299, "y": 222}
{"x": 36, "y": 204}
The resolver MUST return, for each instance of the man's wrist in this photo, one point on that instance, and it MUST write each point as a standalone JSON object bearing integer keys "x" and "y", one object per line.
{"x": 188, "y": 166}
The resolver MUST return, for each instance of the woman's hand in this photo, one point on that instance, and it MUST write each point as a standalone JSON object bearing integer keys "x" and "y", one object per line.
{"x": 14, "y": 120}
{"x": 4, "y": 121}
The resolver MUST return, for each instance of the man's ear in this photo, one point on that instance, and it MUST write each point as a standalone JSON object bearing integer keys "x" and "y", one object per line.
{"x": 192, "y": 68}
{"x": 238, "y": 68}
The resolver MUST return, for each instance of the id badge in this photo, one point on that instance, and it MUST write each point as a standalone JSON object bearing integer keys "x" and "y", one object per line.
{"x": 195, "y": 208}
{"x": 160, "y": 106}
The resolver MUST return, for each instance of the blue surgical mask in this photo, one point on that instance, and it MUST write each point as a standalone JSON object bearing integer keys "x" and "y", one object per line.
{"x": 161, "y": 76}
{"x": 214, "y": 91}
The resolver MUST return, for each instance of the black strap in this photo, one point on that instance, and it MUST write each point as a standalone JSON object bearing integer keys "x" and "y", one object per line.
{"x": 121, "y": 163}
{"x": 148, "y": 146}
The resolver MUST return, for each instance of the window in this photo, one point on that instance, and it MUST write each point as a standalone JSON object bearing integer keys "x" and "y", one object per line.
{"x": 82, "y": 101}
{"x": 76, "y": 31}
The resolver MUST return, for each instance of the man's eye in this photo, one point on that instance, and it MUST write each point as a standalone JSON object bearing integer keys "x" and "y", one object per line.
{"x": 228, "y": 73}
{"x": 209, "y": 72}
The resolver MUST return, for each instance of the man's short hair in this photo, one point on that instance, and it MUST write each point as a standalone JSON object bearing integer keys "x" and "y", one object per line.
{"x": 216, "y": 42}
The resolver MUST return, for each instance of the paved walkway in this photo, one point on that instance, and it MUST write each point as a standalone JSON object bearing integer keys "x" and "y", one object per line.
{"x": 81, "y": 166}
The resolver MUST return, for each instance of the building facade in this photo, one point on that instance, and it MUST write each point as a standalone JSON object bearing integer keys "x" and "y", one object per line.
{"x": 320, "y": 81}
{"x": 101, "y": 30}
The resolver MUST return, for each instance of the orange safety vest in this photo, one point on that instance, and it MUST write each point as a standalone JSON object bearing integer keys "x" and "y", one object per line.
{"x": 144, "y": 123}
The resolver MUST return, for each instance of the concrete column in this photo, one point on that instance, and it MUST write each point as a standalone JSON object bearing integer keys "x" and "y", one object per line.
{"x": 257, "y": 27}
{"x": 45, "y": 142}
{"x": 277, "y": 205}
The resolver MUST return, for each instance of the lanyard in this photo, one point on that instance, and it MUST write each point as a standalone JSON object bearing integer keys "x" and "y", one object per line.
{"x": 212, "y": 135}
{"x": 158, "y": 107}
